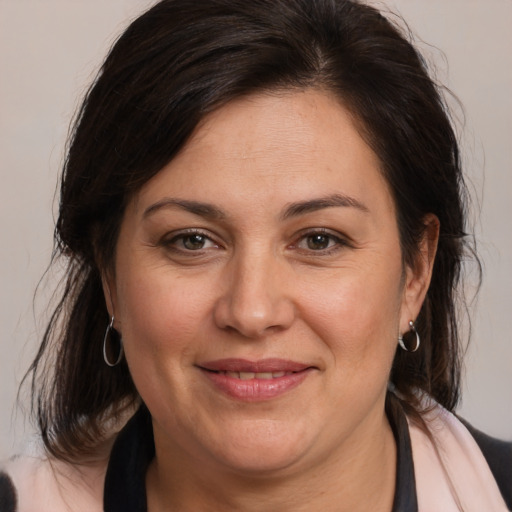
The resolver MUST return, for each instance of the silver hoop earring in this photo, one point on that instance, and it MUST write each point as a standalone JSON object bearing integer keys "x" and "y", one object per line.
{"x": 405, "y": 339}
{"x": 109, "y": 334}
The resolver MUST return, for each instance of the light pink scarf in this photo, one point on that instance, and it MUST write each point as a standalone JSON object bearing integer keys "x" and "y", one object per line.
{"x": 452, "y": 474}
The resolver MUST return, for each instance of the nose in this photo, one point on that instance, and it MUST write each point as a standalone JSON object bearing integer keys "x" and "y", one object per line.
{"x": 255, "y": 300}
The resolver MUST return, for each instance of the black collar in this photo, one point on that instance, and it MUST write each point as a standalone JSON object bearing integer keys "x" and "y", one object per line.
{"x": 134, "y": 449}
{"x": 405, "y": 491}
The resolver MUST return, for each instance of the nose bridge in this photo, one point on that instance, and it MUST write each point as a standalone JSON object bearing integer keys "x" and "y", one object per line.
{"x": 255, "y": 297}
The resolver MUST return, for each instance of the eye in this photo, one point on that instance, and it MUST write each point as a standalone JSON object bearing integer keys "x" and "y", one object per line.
{"x": 319, "y": 241}
{"x": 194, "y": 242}
{"x": 191, "y": 241}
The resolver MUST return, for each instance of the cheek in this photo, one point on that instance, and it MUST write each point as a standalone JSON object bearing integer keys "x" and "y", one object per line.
{"x": 160, "y": 315}
{"x": 162, "y": 325}
{"x": 357, "y": 313}
{"x": 356, "y": 318}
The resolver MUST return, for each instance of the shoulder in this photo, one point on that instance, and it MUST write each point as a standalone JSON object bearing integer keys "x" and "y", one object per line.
{"x": 498, "y": 455}
{"x": 39, "y": 484}
{"x": 459, "y": 465}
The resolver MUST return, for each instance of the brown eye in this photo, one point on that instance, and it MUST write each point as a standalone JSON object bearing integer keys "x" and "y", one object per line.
{"x": 319, "y": 242}
{"x": 194, "y": 242}
{"x": 190, "y": 245}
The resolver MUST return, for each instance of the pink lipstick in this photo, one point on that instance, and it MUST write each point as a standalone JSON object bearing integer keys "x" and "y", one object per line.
{"x": 254, "y": 381}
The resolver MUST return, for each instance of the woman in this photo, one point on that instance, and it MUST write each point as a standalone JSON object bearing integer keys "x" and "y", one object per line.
{"x": 263, "y": 213}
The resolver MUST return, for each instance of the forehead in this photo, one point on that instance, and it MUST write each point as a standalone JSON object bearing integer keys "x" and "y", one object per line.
{"x": 296, "y": 142}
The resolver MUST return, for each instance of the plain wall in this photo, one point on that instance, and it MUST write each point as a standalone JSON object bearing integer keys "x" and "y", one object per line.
{"x": 49, "y": 50}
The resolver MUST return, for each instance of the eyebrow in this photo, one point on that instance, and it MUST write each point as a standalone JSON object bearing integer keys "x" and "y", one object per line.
{"x": 313, "y": 205}
{"x": 202, "y": 209}
{"x": 296, "y": 209}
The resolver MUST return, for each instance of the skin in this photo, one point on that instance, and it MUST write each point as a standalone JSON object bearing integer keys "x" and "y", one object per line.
{"x": 321, "y": 285}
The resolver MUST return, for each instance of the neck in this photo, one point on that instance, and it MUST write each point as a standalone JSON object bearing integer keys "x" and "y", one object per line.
{"x": 358, "y": 476}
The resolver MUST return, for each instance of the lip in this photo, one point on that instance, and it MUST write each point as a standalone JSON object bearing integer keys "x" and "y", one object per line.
{"x": 255, "y": 388}
{"x": 263, "y": 365}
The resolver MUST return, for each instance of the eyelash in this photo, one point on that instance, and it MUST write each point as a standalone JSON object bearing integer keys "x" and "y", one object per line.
{"x": 338, "y": 242}
{"x": 182, "y": 236}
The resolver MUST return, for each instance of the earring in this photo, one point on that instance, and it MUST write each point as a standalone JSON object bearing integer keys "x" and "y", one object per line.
{"x": 405, "y": 339}
{"x": 109, "y": 334}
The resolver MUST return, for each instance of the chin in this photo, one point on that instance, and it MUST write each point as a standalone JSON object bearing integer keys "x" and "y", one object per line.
{"x": 263, "y": 450}
{"x": 262, "y": 461}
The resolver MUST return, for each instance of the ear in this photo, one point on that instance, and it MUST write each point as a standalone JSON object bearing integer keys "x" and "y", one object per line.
{"x": 418, "y": 276}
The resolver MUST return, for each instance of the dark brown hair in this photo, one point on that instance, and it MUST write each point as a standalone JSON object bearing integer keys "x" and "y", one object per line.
{"x": 183, "y": 59}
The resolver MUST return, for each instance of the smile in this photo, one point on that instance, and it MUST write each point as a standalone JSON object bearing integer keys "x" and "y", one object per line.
{"x": 253, "y": 375}
{"x": 254, "y": 381}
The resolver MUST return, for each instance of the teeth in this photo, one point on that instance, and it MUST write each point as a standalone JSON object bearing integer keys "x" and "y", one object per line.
{"x": 256, "y": 375}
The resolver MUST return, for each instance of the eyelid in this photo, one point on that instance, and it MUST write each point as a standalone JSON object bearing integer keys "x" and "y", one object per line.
{"x": 169, "y": 239}
{"x": 340, "y": 239}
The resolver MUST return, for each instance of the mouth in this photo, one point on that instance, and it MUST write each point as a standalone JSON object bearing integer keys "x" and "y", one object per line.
{"x": 260, "y": 367}
{"x": 254, "y": 375}
{"x": 253, "y": 381}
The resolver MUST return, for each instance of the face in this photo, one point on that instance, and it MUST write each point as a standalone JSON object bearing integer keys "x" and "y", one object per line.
{"x": 259, "y": 287}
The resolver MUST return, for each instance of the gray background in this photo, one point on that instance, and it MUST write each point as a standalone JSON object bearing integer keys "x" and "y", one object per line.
{"x": 49, "y": 50}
